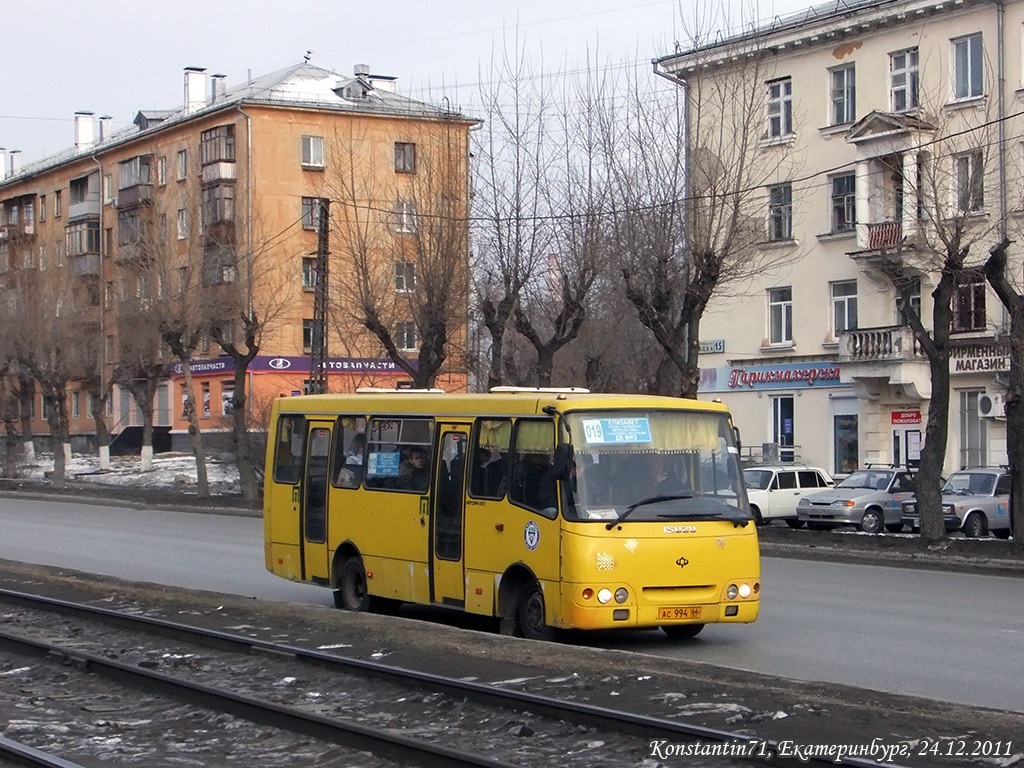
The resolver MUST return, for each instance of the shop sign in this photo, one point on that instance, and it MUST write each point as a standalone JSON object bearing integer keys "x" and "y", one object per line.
{"x": 763, "y": 377}
{"x": 280, "y": 364}
{"x": 979, "y": 358}
{"x": 906, "y": 417}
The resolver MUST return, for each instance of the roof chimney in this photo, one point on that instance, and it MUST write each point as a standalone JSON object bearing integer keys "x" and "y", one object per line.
{"x": 361, "y": 70}
{"x": 15, "y": 164}
{"x": 195, "y": 88}
{"x": 218, "y": 87}
{"x": 85, "y": 135}
{"x": 3, "y": 163}
{"x": 105, "y": 121}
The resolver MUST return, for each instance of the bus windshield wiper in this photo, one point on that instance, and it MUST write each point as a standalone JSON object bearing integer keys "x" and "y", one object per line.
{"x": 644, "y": 502}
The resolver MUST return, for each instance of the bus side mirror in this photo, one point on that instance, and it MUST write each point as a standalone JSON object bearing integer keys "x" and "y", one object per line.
{"x": 736, "y": 437}
{"x": 562, "y": 461}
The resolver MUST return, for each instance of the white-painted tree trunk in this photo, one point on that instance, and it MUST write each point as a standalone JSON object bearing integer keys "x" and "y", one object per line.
{"x": 146, "y": 455}
{"x": 67, "y": 454}
{"x": 30, "y": 450}
{"x": 104, "y": 457}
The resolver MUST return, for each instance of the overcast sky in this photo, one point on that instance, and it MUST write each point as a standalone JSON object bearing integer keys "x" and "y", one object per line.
{"x": 116, "y": 57}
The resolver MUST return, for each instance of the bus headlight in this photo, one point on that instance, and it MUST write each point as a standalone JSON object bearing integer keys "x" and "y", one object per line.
{"x": 732, "y": 591}
{"x": 621, "y": 595}
{"x": 604, "y": 596}
{"x": 744, "y": 590}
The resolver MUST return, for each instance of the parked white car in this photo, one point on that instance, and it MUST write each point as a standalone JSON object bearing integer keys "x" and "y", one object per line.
{"x": 774, "y": 491}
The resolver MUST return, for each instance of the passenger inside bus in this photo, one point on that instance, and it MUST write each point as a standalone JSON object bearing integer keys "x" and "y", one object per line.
{"x": 414, "y": 471}
{"x": 489, "y": 474}
{"x": 350, "y": 474}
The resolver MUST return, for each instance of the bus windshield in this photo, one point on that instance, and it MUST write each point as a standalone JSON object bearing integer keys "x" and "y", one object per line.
{"x": 655, "y": 466}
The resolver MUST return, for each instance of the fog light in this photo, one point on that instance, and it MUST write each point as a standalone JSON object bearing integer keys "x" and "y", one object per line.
{"x": 620, "y": 614}
{"x": 732, "y": 610}
{"x": 604, "y": 596}
{"x": 744, "y": 590}
{"x": 621, "y": 595}
{"x": 732, "y": 592}
{"x": 588, "y": 593}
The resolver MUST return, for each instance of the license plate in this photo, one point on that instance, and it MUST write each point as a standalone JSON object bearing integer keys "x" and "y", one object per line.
{"x": 669, "y": 614}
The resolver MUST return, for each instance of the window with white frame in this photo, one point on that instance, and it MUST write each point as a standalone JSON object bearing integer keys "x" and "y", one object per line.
{"x": 780, "y": 212}
{"x": 406, "y": 215}
{"x": 312, "y": 151}
{"x": 405, "y": 335}
{"x": 182, "y": 223}
{"x": 903, "y": 80}
{"x": 844, "y": 94}
{"x": 309, "y": 272}
{"x": 780, "y": 107}
{"x": 844, "y": 202}
{"x": 968, "y": 68}
{"x": 844, "y": 306}
{"x": 780, "y": 315}
{"x": 969, "y": 302}
{"x": 182, "y": 164}
{"x": 161, "y": 171}
{"x": 970, "y": 181}
{"x": 76, "y": 405}
{"x": 405, "y": 157}
{"x": 405, "y": 276}
{"x": 311, "y": 212}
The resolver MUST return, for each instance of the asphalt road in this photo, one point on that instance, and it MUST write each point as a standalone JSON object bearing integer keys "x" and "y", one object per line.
{"x": 956, "y": 637}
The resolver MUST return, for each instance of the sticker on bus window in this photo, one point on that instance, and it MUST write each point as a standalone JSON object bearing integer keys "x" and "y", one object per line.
{"x": 383, "y": 464}
{"x": 617, "y": 431}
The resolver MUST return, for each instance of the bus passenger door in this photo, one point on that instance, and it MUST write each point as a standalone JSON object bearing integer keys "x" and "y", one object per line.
{"x": 446, "y": 560}
{"x": 314, "y": 503}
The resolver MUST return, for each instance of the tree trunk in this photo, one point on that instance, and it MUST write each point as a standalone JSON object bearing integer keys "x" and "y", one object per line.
{"x": 247, "y": 480}
{"x": 9, "y": 409}
{"x": 57, "y": 420}
{"x": 202, "y": 482}
{"x": 26, "y": 397}
{"x": 102, "y": 430}
{"x": 144, "y": 393}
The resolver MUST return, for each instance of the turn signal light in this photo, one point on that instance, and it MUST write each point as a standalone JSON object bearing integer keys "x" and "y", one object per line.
{"x": 588, "y": 594}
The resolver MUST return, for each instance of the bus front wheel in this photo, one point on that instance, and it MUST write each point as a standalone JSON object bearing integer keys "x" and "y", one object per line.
{"x": 352, "y": 594}
{"x": 531, "y": 619}
{"x": 682, "y": 631}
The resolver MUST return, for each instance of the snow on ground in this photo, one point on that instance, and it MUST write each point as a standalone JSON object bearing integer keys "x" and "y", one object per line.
{"x": 170, "y": 470}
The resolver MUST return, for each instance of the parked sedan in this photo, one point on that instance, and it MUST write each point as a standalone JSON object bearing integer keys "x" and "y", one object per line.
{"x": 975, "y": 501}
{"x": 774, "y": 491}
{"x": 869, "y": 498}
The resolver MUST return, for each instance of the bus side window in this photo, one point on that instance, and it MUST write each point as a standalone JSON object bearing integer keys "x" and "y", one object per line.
{"x": 489, "y": 467}
{"x": 349, "y": 451}
{"x": 533, "y": 485}
{"x": 291, "y": 437}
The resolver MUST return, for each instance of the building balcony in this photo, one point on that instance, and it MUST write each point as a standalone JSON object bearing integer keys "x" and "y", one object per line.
{"x": 138, "y": 254}
{"x": 136, "y": 195}
{"x": 223, "y": 170}
{"x": 889, "y": 354}
{"x": 85, "y": 209}
{"x": 83, "y": 264}
{"x": 887, "y": 234}
{"x": 17, "y": 231}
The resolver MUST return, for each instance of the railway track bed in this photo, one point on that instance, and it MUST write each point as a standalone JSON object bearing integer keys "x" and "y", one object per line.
{"x": 421, "y": 710}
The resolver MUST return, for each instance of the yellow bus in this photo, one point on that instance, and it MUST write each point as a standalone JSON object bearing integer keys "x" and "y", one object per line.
{"x": 549, "y": 509}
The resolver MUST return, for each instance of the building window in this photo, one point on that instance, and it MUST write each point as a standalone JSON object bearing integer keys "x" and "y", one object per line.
{"x": 405, "y": 276}
{"x": 312, "y": 151}
{"x": 90, "y": 405}
{"x": 182, "y": 164}
{"x": 915, "y": 296}
{"x": 182, "y": 223}
{"x": 844, "y": 306}
{"x": 406, "y": 214}
{"x": 969, "y": 302}
{"x": 83, "y": 237}
{"x": 42, "y": 208}
{"x": 903, "y": 80}
{"x": 844, "y": 95}
{"x": 970, "y": 181}
{"x": 217, "y": 145}
{"x": 311, "y": 212}
{"x": 227, "y": 398}
{"x": 967, "y": 67}
{"x": 134, "y": 172}
{"x": 405, "y": 335}
{"x": 58, "y": 203}
{"x": 206, "y": 399}
{"x": 780, "y": 315}
{"x": 309, "y": 273}
{"x": 76, "y": 405}
{"x": 218, "y": 203}
{"x": 973, "y": 437}
{"x": 129, "y": 226}
{"x": 108, "y": 188}
{"x": 780, "y": 212}
{"x": 844, "y": 202}
{"x": 307, "y": 336}
{"x": 161, "y": 171}
{"x": 405, "y": 157}
{"x": 782, "y": 427}
{"x": 780, "y": 107}
{"x": 845, "y": 443}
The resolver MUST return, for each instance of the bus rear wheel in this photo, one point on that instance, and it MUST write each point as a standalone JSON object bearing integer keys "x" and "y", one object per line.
{"x": 682, "y": 631}
{"x": 352, "y": 593}
{"x": 531, "y": 619}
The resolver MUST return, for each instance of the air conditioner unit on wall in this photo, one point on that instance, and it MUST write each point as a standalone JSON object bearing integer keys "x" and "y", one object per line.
{"x": 992, "y": 405}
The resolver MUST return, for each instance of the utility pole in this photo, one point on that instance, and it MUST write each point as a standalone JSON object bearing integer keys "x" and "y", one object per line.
{"x": 318, "y": 345}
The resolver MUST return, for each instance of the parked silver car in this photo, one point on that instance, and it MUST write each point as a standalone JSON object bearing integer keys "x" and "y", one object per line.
{"x": 869, "y": 498}
{"x": 774, "y": 491}
{"x": 975, "y": 501}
